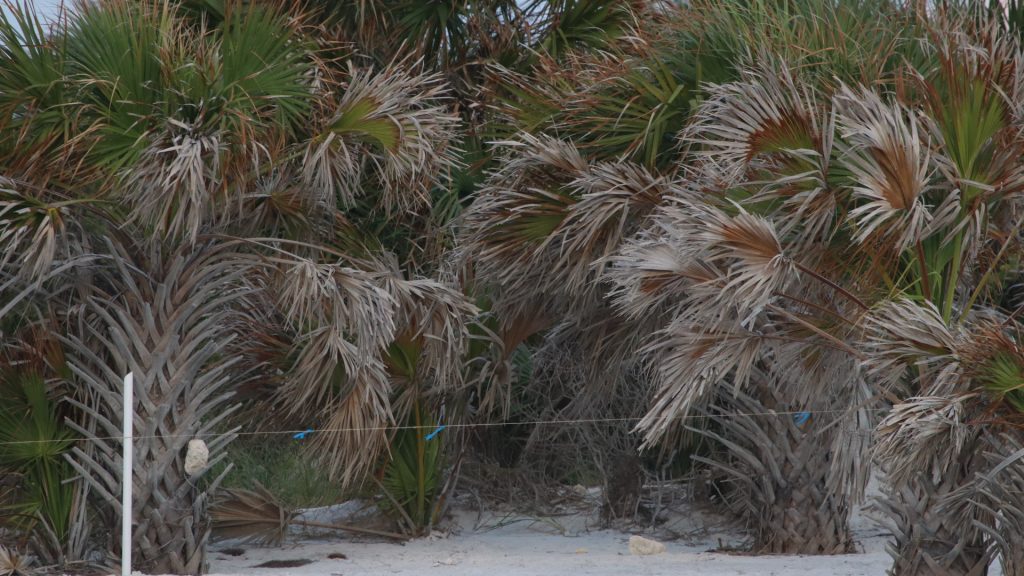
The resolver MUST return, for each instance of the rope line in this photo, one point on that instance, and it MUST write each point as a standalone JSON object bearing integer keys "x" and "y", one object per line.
{"x": 301, "y": 434}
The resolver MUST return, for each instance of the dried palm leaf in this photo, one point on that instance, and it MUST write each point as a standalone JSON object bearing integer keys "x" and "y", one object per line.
{"x": 925, "y": 435}
{"x": 904, "y": 333}
{"x": 255, "y": 515}
{"x": 391, "y": 122}
{"x": 742, "y": 126}
{"x": 14, "y": 564}
{"x": 888, "y": 158}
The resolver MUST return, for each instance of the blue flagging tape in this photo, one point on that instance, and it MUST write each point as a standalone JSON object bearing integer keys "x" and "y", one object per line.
{"x": 302, "y": 435}
{"x": 801, "y": 418}
{"x": 435, "y": 432}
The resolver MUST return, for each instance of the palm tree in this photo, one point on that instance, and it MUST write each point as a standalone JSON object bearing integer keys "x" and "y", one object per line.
{"x": 174, "y": 182}
{"x": 847, "y": 239}
{"x": 544, "y": 228}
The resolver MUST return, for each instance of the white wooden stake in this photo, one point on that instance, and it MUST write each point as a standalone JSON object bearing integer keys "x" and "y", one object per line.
{"x": 126, "y": 476}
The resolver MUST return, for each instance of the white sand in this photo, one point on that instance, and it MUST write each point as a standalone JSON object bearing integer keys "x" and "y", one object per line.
{"x": 523, "y": 546}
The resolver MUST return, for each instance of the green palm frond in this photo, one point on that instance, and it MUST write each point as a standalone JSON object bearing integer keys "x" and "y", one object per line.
{"x": 620, "y": 103}
{"x": 264, "y": 70}
{"x": 115, "y": 60}
{"x": 33, "y": 442}
{"x": 1004, "y": 376}
{"x": 565, "y": 25}
{"x": 412, "y": 473}
{"x": 996, "y": 362}
{"x": 830, "y": 43}
{"x": 32, "y": 85}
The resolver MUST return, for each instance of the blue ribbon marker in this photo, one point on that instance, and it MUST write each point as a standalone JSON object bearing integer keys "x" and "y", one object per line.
{"x": 435, "y": 432}
{"x": 801, "y": 418}
{"x": 302, "y": 435}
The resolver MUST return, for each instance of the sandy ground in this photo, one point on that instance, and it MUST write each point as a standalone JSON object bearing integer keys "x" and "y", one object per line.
{"x": 519, "y": 550}
{"x": 494, "y": 545}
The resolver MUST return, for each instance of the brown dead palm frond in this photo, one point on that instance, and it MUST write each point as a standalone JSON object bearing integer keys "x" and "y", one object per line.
{"x": 341, "y": 321}
{"x": 743, "y": 127}
{"x": 650, "y": 275}
{"x": 176, "y": 184}
{"x": 391, "y": 128}
{"x": 437, "y": 317}
{"x": 255, "y": 515}
{"x": 493, "y": 373}
{"x": 13, "y": 563}
{"x": 365, "y": 345}
{"x": 614, "y": 198}
{"x": 749, "y": 248}
{"x": 324, "y": 366}
{"x": 744, "y": 248}
{"x": 902, "y": 334}
{"x": 258, "y": 516}
{"x": 691, "y": 362}
{"x": 925, "y": 435}
{"x": 508, "y": 233}
{"x": 802, "y": 181}
{"x": 888, "y": 158}
{"x": 733, "y": 260}
{"x": 356, "y": 426}
{"x": 313, "y": 295}
{"x": 851, "y": 457}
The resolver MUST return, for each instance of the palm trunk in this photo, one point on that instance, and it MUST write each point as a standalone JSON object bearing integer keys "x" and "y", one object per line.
{"x": 999, "y": 493}
{"x": 928, "y": 541}
{"x": 169, "y": 329}
{"x": 779, "y": 469}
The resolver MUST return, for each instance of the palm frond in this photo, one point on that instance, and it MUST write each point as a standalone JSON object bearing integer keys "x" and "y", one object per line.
{"x": 438, "y": 317}
{"x": 508, "y": 232}
{"x": 390, "y": 130}
{"x": 742, "y": 126}
{"x": 614, "y": 200}
{"x": 35, "y": 232}
{"x": 902, "y": 334}
{"x": 314, "y": 295}
{"x": 888, "y": 158}
{"x": 356, "y": 427}
{"x": 174, "y": 185}
{"x": 253, "y": 515}
{"x": 925, "y": 435}
{"x": 691, "y": 362}
{"x": 650, "y": 275}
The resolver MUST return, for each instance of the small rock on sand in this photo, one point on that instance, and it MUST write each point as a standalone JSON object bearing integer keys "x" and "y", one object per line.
{"x": 640, "y": 546}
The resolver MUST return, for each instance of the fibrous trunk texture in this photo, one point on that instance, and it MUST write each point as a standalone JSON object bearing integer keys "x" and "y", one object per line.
{"x": 928, "y": 541}
{"x": 777, "y": 468}
{"x": 168, "y": 326}
{"x": 999, "y": 494}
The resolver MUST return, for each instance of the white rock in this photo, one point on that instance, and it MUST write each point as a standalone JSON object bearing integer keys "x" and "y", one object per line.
{"x": 640, "y": 546}
{"x": 196, "y": 457}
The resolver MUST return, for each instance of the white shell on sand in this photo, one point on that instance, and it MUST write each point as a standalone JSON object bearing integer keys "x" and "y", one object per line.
{"x": 640, "y": 546}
